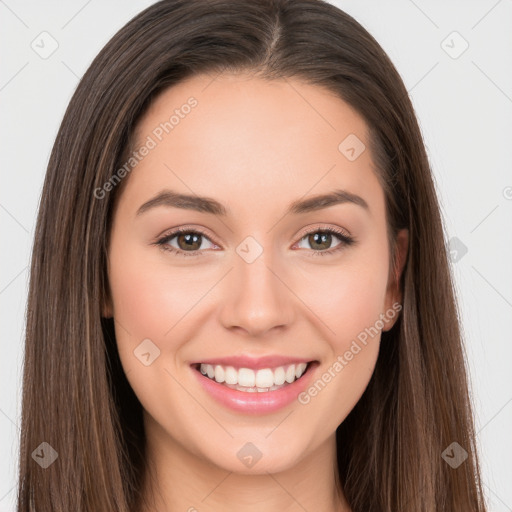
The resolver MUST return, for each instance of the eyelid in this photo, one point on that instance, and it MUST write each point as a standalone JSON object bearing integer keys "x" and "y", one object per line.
{"x": 302, "y": 233}
{"x": 343, "y": 235}
{"x": 172, "y": 232}
{"x": 321, "y": 227}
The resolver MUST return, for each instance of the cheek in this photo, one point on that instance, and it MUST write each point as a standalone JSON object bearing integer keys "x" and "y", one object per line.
{"x": 146, "y": 293}
{"x": 347, "y": 303}
{"x": 359, "y": 301}
{"x": 136, "y": 297}
{"x": 347, "y": 298}
{"x": 148, "y": 302}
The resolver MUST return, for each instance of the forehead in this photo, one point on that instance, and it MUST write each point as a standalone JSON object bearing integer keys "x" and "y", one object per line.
{"x": 251, "y": 142}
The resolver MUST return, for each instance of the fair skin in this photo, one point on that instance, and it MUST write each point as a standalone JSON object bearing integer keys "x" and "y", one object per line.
{"x": 255, "y": 147}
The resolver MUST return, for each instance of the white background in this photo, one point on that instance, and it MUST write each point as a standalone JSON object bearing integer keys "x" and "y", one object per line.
{"x": 464, "y": 106}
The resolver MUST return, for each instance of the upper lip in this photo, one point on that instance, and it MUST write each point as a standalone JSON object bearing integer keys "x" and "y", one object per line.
{"x": 257, "y": 363}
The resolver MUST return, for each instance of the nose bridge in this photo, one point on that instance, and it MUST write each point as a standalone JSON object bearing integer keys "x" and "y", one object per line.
{"x": 259, "y": 300}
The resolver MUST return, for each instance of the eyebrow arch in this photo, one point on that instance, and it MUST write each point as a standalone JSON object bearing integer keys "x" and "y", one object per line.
{"x": 173, "y": 199}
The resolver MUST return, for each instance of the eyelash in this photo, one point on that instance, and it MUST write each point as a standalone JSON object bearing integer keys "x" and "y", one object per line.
{"x": 344, "y": 239}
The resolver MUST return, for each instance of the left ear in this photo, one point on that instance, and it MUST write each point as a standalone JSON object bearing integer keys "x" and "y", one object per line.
{"x": 107, "y": 308}
{"x": 393, "y": 292}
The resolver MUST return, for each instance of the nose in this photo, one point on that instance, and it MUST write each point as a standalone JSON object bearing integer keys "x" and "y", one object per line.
{"x": 258, "y": 299}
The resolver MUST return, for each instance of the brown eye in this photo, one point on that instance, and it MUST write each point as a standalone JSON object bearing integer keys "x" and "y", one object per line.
{"x": 320, "y": 240}
{"x": 189, "y": 241}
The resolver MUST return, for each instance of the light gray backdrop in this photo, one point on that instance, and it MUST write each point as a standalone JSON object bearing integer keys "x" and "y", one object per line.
{"x": 454, "y": 57}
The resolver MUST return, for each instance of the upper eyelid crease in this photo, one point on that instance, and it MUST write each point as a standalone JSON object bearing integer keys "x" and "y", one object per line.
{"x": 345, "y": 239}
{"x": 341, "y": 232}
{"x": 173, "y": 199}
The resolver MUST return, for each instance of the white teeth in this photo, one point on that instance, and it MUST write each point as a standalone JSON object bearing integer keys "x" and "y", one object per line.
{"x": 219, "y": 373}
{"x": 231, "y": 375}
{"x": 290, "y": 374}
{"x": 265, "y": 378}
{"x": 279, "y": 376}
{"x": 300, "y": 369}
{"x": 246, "y": 379}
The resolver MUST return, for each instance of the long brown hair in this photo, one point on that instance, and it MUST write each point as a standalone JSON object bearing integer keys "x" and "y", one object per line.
{"x": 76, "y": 397}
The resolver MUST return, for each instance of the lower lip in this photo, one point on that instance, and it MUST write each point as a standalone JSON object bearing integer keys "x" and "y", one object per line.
{"x": 256, "y": 402}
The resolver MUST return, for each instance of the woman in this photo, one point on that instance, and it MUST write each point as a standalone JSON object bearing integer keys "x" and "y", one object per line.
{"x": 250, "y": 137}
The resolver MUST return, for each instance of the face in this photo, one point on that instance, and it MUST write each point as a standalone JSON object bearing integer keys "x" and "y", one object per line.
{"x": 263, "y": 276}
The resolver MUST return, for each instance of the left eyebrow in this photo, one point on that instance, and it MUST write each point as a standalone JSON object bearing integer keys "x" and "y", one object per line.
{"x": 201, "y": 204}
{"x": 321, "y": 201}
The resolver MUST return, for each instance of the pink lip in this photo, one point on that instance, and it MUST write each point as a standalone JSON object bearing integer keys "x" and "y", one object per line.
{"x": 256, "y": 402}
{"x": 256, "y": 363}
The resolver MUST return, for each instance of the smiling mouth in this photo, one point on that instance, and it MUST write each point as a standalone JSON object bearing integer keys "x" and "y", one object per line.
{"x": 252, "y": 381}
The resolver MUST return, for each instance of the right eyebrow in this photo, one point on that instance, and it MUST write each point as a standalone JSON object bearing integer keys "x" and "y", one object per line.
{"x": 176, "y": 200}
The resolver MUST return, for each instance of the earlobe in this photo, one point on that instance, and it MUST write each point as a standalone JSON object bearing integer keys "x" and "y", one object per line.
{"x": 107, "y": 309}
{"x": 394, "y": 293}
{"x": 107, "y": 313}
{"x": 402, "y": 248}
